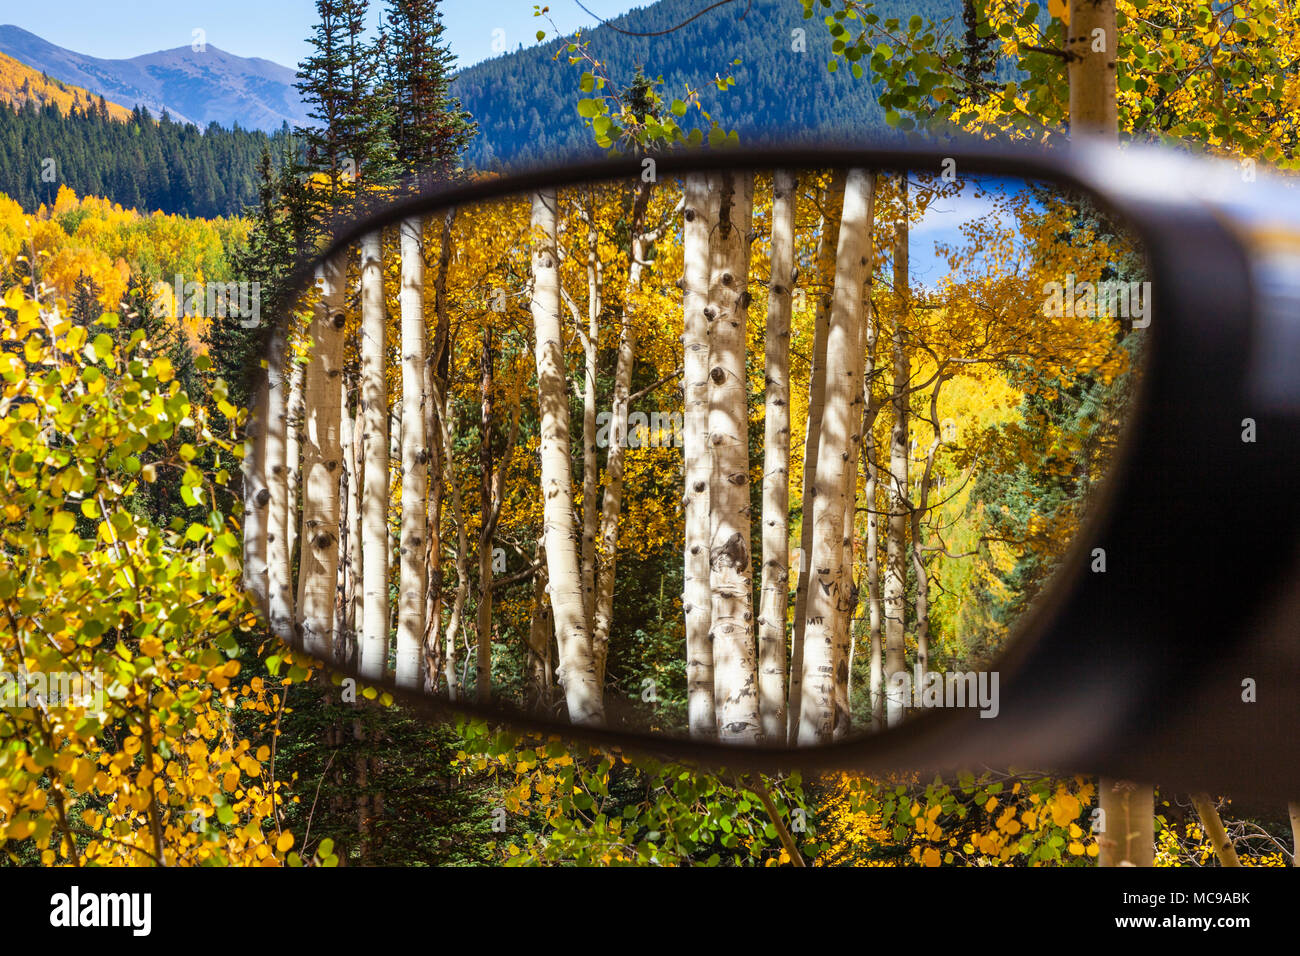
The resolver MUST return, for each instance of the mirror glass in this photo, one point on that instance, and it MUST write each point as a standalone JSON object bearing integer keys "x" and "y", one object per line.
{"x": 771, "y": 457}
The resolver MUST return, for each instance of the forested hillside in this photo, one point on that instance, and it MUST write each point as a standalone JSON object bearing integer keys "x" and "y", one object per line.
{"x": 524, "y": 101}
{"x": 140, "y": 163}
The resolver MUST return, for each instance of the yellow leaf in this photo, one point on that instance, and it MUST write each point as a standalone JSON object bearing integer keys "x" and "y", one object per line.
{"x": 283, "y": 844}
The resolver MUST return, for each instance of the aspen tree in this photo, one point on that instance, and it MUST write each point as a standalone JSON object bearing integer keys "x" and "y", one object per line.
{"x": 577, "y": 671}
{"x": 735, "y": 663}
{"x": 280, "y": 516}
{"x": 436, "y": 370}
{"x": 699, "y": 214}
{"x": 322, "y": 462}
{"x": 413, "y": 582}
{"x": 257, "y": 498}
{"x": 374, "y": 490}
{"x": 832, "y": 202}
{"x": 615, "y": 456}
{"x": 828, "y": 591}
{"x": 294, "y": 414}
{"x": 895, "y": 589}
{"x": 776, "y": 462}
{"x": 454, "y": 619}
{"x": 860, "y": 424}
{"x": 590, "y": 461}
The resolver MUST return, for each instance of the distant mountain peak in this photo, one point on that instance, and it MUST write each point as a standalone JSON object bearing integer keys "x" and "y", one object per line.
{"x": 200, "y": 87}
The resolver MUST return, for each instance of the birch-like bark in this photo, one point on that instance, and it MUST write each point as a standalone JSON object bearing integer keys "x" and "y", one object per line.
{"x": 577, "y": 671}
{"x": 735, "y": 663}
{"x": 776, "y": 463}
{"x": 615, "y": 457}
{"x": 828, "y": 590}
{"x": 538, "y": 670}
{"x": 1214, "y": 831}
{"x": 257, "y": 496}
{"x": 895, "y": 596}
{"x": 412, "y": 537}
{"x": 590, "y": 461}
{"x": 295, "y": 414}
{"x": 374, "y": 491}
{"x": 280, "y": 516}
{"x": 436, "y": 370}
{"x": 1092, "y": 46}
{"x": 699, "y": 214}
{"x": 322, "y": 461}
{"x": 483, "y": 664}
{"x": 349, "y": 532}
{"x": 452, "y": 483}
{"x": 832, "y": 203}
{"x": 919, "y": 568}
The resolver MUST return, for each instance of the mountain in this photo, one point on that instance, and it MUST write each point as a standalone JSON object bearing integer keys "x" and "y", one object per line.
{"x": 20, "y": 85}
{"x": 211, "y": 86}
{"x": 525, "y": 101}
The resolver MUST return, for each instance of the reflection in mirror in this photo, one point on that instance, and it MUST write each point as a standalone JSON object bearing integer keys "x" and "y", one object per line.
{"x": 767, "y": 458}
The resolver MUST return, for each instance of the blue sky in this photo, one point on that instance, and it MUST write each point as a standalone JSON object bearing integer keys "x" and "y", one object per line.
{"x": 275, "y": 29}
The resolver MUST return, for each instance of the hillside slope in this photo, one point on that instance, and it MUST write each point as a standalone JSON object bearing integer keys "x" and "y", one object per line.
{"x": 211, "y": 86}
{"x": 20, "y": 85}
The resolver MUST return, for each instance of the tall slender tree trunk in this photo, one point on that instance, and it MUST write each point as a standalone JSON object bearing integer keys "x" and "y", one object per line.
{"x": 829, "y": 588}
{"x": 735, "y": 663}
{"x": 452, "y": 483}
{"x": 539, "y": 663}
{"x": 436, "y": 370}
{"x": 374, "y": 491}
{"x": 355, "y": 455}
{"x": 295, "y": 414}
{"x": 776, "y": 463}
{"x": 590, "y": 461}
{"x": 700, "y": 215}
{"x": 875, "y": 676}
{"x": 895, "y": 597}
{"x": 919, "y": 568}
{"x": 257, "y": 496}
{"x": 577, "y": 671}
{"x": 280, "y": 516}
{"x": 483, "y": 667}
{"x": 322, "y": 462}
{"x": 615, "y": 457}
{"x": 832, "y": 201}
{"x": 1092, "y": 46}
{"x": 349, "y": 531}
{"x": 859, "y": 423}
{"x": 1129, "y": 838}
{"x": 413, "y": 572}
{"x": 1213, "y": 824}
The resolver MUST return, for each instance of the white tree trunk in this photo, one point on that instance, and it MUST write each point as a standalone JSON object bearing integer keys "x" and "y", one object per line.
{"x": 294, "y": 417}
{"x": 700, "y": 214}
{"x": 577, "y": 670}
{"x": 615, "y": 456}
{"x": 832, "y": 202}
{"x": 374, "y": 491}
{"x": 776, "y": 463}
{"x": 828, "y": 591}
{"x": 735, "y": 663}
{"x": 322, "y": 462}
{"x": 415, "y": 459}
{"x": 895, "y": 597}
{"x": 280, "y": 515}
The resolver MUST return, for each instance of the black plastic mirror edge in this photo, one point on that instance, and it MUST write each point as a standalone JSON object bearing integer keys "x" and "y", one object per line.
{"x": 1060, "y": 709}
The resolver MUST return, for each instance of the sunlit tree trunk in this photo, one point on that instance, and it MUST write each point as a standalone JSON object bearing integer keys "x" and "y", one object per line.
{"x": 322, "y": 462}
{"x": 413, "y": 580}
{"x": 295, "y": 414}
{"x": 483, "y": 666}
{"x": 735, "y": 663}
{"x": 700, "y": 214}
{"x": 354, "y": 453}
{"x": 832, "y": 201}
{"x": 1214, "y": 831}
{"x": 844, "y": 635}
{"x": 435, "y": 370}
{"x": 919, "y": 568}
{"x": 577, "y": 670}
{"x": 615, "y": 456}
{"x": 349, "y": 533}
{"x": 539, "y": 665}
{"x": 1129, "y": 837}
{"x": 776, "y": 463}
{"x": 374, "y": 490}
{"x": 280, "y": 516}
{"x": 828, "y": 591}
{"x": 452, "y": 483}
{"x": 590, "y": 461}
{"x": 895, "y": 596}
